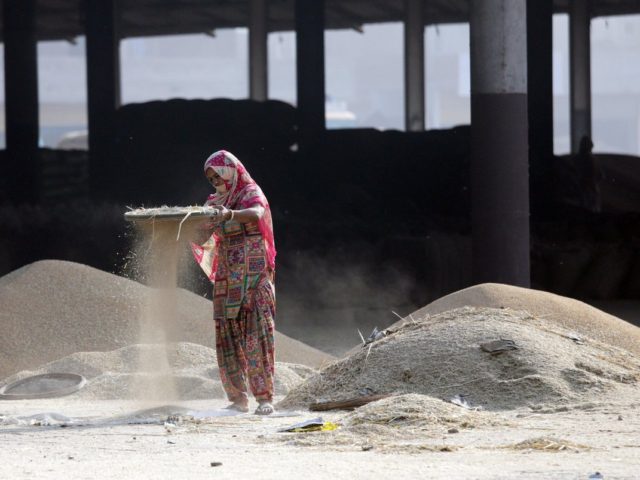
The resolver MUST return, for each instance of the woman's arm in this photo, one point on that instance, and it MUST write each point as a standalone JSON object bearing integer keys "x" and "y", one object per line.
{"x": 246, "y": 215}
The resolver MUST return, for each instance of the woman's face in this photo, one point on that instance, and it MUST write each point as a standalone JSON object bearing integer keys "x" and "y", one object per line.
{"x": 214, "y": 178}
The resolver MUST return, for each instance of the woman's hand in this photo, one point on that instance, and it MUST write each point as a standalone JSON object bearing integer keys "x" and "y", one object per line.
{"x": 247, "y": 215}
{"x": 221, "y": 214}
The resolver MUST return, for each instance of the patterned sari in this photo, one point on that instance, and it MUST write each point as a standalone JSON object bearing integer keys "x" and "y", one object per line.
{"x": 240, "y": 261}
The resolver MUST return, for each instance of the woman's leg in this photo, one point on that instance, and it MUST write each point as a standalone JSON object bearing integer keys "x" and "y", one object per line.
{"x": 259, "y": 346}
{"x": 232, "y": 361}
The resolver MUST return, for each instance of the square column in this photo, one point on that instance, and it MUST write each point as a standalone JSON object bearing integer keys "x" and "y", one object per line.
{"x": 499, "y": 142}
{"x": 580, "y": 71}
{"x": 21, "y": 100}
{"x": 309, "y": 20}
{"x": 103, "y": 87}
{"x": 258, "y": 31}
{"x": 540, "y": 100}
{"x": 414, "y": 66}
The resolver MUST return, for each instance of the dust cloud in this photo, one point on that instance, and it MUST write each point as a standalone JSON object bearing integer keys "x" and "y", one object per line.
{"x": 324, "y": 300}
{"x": 160, "y": 258}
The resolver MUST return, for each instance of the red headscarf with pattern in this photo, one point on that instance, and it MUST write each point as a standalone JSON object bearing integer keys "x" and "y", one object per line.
{"x": 242, "y": 192}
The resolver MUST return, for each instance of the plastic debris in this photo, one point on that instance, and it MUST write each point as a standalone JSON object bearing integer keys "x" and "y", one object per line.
{"x": 373, "y": 336}
{"x": 376, "y": 335}
{"x": 496, "y": 347}
{"x": 460, "y": 400}
{"x": 577, "y": 339}
{"x": 313, "y": 425}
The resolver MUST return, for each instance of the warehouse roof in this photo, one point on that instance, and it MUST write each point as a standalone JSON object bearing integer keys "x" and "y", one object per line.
{"x": 63, "y": 19}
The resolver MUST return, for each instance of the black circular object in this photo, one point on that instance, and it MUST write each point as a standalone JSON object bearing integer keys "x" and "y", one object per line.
{"x": 47, "y": 385}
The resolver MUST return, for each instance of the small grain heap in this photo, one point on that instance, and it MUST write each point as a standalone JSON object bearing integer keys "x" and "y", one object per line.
{"x": 118, "y": 374}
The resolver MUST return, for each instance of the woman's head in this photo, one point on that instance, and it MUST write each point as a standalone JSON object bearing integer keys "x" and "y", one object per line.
{"x": 215, "y": 180}
{"x": 236, "y": 189}
{"x": 227, "y": 175}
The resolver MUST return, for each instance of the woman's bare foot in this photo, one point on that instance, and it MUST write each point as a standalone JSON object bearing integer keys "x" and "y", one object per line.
{"x": 264, "y": 408}
{"x": 238, "y": 407}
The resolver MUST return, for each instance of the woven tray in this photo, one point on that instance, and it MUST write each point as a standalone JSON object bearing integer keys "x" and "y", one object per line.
{"x": 169, "y": 213}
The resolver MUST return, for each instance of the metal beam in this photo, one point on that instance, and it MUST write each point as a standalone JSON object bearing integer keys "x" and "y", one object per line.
{"x": 389, "y": 11}
{"x": 339, "y": 14}
{"x": 414, "y": 66}
{"x": 233, "y": 13}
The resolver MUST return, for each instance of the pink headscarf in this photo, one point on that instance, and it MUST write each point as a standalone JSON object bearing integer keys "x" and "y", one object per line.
{"x": 242, "y": 192}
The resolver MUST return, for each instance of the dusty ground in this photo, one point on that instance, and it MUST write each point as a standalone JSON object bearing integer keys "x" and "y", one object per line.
{"x": 590, "y": 424}
{"x": 588, "y": 438}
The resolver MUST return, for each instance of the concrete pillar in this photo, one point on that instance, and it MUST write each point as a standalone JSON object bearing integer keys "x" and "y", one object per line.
{"x": 580, "y": 70}
{"x": 103, "y": 88}
{"x": 21, "y": 100}
{"x": 309, "y": 20}
{"x": 499, "y": 142}
{"x": 258, "y": 31}
{"x": 414, "y": 66}
{"x": 540, "y": 105}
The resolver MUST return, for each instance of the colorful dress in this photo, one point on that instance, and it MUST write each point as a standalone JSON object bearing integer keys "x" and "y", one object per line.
{"x": 240, "y": 261}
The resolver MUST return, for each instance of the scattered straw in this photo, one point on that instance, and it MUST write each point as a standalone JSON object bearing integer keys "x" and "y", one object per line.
{"x": 547, "y": 444}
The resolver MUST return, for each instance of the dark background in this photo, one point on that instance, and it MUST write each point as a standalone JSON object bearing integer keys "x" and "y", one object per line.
{"x": 367, "y": 223}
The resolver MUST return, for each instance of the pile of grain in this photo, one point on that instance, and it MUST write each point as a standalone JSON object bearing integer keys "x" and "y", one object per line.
{"x": 51, "y": 309}
{"x": 547, "y": 444}
{"x": 407, "y": 423}
{"x": 117, "y": 374}
{"x": 441, "y": 357}
{"x": 566, "y": 312}
{"x": 417, "y": 412}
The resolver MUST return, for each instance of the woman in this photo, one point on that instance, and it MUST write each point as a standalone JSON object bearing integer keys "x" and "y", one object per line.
{"x": 239, "y": 258}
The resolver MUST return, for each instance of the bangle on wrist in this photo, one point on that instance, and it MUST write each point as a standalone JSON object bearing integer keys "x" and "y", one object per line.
{"x": 231, "y": 217}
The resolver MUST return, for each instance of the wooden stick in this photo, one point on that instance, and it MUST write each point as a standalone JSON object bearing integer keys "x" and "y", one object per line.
{"x": 349, "y": 404}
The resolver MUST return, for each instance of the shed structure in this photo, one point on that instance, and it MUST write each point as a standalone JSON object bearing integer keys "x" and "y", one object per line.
{"x": 511, "y": 79}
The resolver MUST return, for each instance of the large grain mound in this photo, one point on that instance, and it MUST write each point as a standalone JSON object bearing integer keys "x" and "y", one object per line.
{"x": 566, "y": 312}
{"x": 441, "y": 357}
{"x": 118, "y": 374}
{"x": 51, "y": 309}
